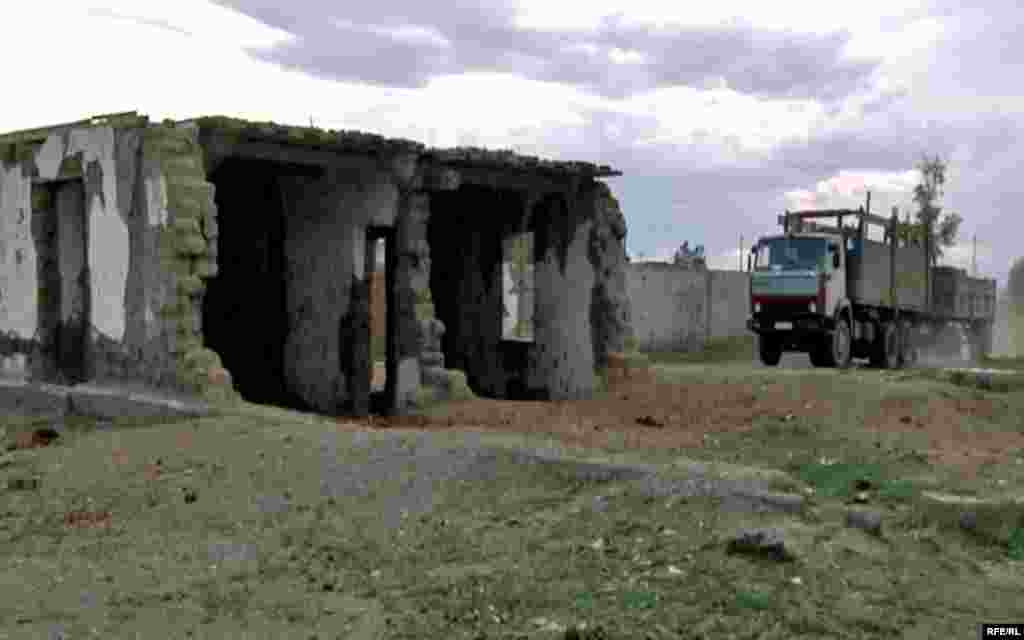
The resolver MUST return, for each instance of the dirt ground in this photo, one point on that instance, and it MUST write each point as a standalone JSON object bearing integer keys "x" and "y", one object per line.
{"x": 662, "y": 414}
{"x": 264, "y": 523}
{"x": 649, "y": 414}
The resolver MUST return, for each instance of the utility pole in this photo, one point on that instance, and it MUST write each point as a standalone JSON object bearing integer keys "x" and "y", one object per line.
{"x": 974, "y": 256}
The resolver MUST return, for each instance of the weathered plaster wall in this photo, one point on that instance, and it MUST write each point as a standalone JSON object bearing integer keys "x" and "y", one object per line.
{"x": 328, "y": 308}
{"x": 562, "y": 360}
{"x": 18, "y": 285}
{"x": 102, "y": 161}
{"x": 581, "y": 312}
{"x": 94, "y": 150}
{"x": 178, "y": 252}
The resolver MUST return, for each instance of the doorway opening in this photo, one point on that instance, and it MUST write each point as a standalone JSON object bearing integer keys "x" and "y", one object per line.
{"x": 245, "y": 317}
{"x": 383, "y": 361}
{"x": 60, "y": 231}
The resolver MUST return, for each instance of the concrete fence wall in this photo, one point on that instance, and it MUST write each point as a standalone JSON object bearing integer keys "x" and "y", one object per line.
{"x": 679, "y": 309}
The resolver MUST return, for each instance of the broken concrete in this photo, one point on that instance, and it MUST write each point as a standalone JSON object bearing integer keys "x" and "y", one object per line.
{"x": 217, "y": 257}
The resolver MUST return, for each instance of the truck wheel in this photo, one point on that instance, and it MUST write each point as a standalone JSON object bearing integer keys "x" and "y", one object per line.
{"x": 770, "y": 351}
{"x": 893, "y": 348}
{"x": 908, "y": 342}
{"x": 876, "y": 353}
{"x": 842, "y": 343}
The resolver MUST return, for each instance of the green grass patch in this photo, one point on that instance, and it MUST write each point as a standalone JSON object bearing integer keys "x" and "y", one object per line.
{"x": 844, "y": 479}
{"x": 1015, "y": 545}
{"x": 752, "y": 600}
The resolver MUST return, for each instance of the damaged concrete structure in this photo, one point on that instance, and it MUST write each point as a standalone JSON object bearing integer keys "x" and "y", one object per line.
{"x": 218, "y": 256}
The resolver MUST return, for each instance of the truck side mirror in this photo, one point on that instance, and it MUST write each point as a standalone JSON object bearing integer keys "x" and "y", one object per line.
{"x": 749, "y": 256}
{"x": 835, "y": 259}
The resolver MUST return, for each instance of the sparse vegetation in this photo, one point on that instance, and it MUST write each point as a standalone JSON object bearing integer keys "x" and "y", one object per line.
{"x": 299, "y": 526}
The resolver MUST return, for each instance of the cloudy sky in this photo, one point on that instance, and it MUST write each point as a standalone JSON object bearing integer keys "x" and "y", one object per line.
{"x": 720, "y": 114}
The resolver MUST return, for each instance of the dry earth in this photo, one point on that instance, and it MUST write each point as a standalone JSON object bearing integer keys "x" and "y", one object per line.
{"x": 653, "y": 511}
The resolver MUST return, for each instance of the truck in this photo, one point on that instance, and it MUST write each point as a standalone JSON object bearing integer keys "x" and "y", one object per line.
{"x": 841, "y": 291}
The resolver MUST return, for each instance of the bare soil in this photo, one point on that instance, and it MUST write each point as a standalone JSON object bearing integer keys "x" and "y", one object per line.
{"x": 264, "y": 523}
{"x": 649, "y": 415}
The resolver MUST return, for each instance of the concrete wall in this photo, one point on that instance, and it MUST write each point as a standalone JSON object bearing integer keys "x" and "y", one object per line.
{"x": 581, "y": 310}
{"x": 325, "y": 243}
{"x": 678, "y": 309}
{"x": 147, "y": 265}
{"x": 105, "y": 233}
{"x": 1008, "y": 331}
{"x": 730, "y": 303}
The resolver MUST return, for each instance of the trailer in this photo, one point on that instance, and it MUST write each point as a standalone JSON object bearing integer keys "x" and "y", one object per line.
{"x": 837, "y": 293}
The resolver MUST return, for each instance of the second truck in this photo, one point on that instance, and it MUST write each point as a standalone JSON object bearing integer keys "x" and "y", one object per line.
{"x": 839, "y": 292}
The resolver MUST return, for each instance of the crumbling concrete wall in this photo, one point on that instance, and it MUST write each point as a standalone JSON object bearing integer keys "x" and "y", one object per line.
{"x": 150, "y": 238}
{"x": 582, "y": 311}
{"x": 18, "y": 267}
{"x": 149, "y": 231}
{"x": 177, "y": 254}
{"x": 328, "y": 293}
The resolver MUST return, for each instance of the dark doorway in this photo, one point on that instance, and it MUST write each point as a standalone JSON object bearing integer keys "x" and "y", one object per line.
{"x": 245, "y": 316}
{"x": 380, "y": 270}
{"x": 60, "y": 230}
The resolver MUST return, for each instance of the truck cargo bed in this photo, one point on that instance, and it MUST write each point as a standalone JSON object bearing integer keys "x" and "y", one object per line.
{"x": 868, "y": 276}
{"x": 960, "y": 297}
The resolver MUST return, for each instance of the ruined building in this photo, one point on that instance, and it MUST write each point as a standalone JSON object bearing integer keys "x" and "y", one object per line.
{"x": 218, "y": 256}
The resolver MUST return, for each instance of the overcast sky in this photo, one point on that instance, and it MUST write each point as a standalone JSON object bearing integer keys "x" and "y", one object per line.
{"x": 720, "y": 114}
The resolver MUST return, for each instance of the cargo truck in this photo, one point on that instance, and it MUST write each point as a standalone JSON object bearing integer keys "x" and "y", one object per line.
{"x": 839, "y": 292}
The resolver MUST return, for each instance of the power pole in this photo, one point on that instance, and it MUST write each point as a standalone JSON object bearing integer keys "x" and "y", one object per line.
{"x": 974, "y": 256}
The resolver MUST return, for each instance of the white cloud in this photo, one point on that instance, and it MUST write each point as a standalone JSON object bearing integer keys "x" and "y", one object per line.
{"x": 413, "y": 34}
{"x": 795, "y": 14}
{"x": 626, "y": 56}
{"x": 848, "y": 190}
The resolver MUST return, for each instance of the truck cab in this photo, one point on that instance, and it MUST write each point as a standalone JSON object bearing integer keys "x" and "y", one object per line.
{"x": 797, "y": 280}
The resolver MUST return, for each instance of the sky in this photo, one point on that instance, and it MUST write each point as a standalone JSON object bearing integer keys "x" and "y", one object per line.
{"x": 720, "y": 115}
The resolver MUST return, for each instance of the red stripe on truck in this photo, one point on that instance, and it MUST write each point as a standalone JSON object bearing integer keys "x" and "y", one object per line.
{"x": 773, "y": 300}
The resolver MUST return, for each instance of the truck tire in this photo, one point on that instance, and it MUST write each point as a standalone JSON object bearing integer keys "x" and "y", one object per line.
{"x": 893, "y": 347}
{"x": 842, "y": 343}
{"x": 770, "y": 350}
{"x": 876, "y": 353}
{"x": 908, "y": 342}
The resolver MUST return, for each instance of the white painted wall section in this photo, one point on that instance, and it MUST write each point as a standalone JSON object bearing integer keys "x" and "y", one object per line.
{"x": 18, "y": 262}
{"x": 108, "y": 233}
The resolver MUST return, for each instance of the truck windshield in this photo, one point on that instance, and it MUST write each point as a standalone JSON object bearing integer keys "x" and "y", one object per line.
{"x": 791, "y": 254}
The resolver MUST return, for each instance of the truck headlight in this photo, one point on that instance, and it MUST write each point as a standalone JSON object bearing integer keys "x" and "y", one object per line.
{"x": 813, "y": 307}
{"x": 757, "y": 307}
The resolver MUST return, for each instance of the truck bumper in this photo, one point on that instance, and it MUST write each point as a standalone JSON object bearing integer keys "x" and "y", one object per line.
{"x": 796, "y": 334}
{"x": 796, "y": 325}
